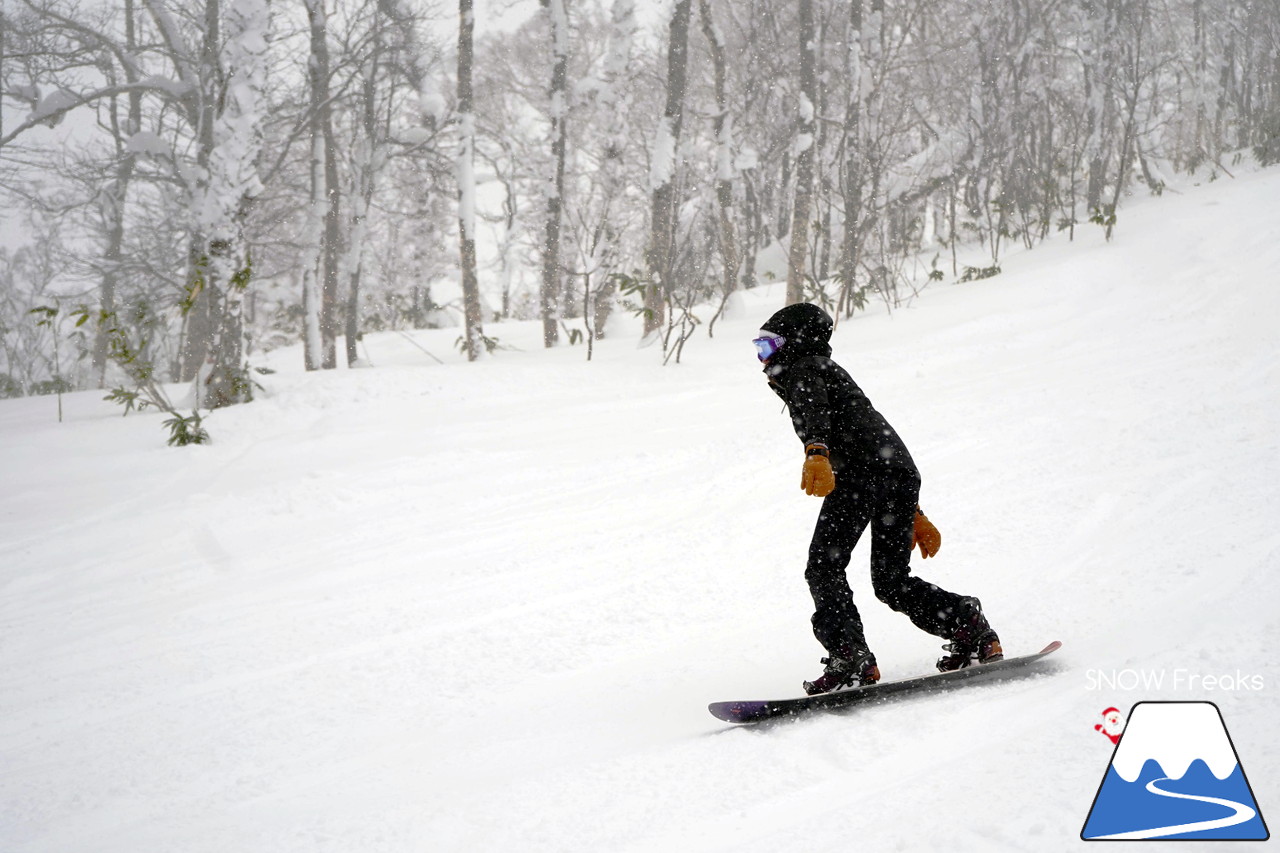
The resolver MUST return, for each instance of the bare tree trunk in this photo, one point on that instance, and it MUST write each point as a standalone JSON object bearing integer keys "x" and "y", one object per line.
{"x": 802, "y": 212}
{"x": 1133, "y": 59}
{"x": 367, "y": 164}
{"x": 551, "y": 271}
{"x": 332, "y": 225}
{"x": 233, "y": 184}
{"x": 723, "y": 124}
{"x": 1200, "y": 73}
{"x": 320, "y": 285}
{"x": 1100, "y": 69}
{"x": 201, "y": 304}
{"x": 113, "y": 207}
{"x": 198, "y": 313}
{"x": 313, "y": 343}
{"x": 755, "y": 230}
{"x": 622, "y": 33}
{"x": 330, "y": 293}
{"x": 822, "y": 179}
{"x": 663, "y": 175}
{"x": 467, "y": 185}
{"x": 860, "y": 159}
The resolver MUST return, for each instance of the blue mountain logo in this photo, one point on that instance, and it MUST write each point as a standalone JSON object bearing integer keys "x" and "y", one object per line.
{"x": 1175, "y": 774}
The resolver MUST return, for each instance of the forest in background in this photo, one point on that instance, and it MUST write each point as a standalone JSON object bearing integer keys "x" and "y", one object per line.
{"x": 187, "y": 183}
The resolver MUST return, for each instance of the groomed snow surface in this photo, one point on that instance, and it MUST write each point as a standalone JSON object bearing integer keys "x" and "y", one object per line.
{"x": 483, "y": 607}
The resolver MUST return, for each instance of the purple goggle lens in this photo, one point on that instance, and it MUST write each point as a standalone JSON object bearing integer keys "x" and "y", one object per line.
{"x": 768, "y": 345}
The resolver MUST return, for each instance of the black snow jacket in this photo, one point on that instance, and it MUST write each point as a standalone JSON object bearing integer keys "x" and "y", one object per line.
{"x": 826, "y": 404}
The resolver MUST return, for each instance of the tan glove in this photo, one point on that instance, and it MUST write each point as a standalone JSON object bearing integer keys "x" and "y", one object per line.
{"x": 817, "y": 478}
{"x": 925, "y": 535}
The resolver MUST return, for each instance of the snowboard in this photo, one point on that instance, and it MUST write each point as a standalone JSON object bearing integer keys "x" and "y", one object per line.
{"x": 755, "y": 711}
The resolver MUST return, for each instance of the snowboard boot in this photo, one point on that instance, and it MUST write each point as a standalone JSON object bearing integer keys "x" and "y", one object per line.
{"x": 973, "y": 641}
{"x": 853, "y": 666}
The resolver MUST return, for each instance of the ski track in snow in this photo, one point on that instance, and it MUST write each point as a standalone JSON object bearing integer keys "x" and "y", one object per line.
{"x": 483, "y": 607}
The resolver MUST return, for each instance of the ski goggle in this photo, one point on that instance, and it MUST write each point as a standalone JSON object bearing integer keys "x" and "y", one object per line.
{"x": 768, "y": 345}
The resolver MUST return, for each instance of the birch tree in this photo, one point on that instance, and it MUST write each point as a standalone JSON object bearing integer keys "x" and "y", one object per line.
{"x": 320, "y": 274}
{"x": 662, "y": 175}
{"x": 615, "y": 100}
{"x": 218, "y": 78}
{"x": 549, "y": 294}
{"x": 114, "y": 197}
{"x": 228, "y": 191}
{"x": 368, "y": 158}
{"x": 804, "y": 156}
{"x": 1132, "y": 75}
{"x": 851, "y": 168}
{"x": 465, "y": 170}
{"x": 723, "y": 125}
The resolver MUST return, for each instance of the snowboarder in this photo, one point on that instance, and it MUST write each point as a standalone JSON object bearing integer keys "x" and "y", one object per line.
{"x": 856, "y": 462}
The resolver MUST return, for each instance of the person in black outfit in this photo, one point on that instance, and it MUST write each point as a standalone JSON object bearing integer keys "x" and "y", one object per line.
{"x": 859, "y": 465}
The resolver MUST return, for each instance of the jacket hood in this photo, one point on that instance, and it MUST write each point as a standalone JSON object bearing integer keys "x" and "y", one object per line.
{"x": 807, "y": 329}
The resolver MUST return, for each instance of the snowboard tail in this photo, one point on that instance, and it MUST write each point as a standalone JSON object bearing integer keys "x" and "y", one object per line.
{"x": 756, "y": 711}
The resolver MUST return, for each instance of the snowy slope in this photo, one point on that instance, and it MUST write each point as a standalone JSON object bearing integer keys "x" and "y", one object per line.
{"x": 483, "y": 607}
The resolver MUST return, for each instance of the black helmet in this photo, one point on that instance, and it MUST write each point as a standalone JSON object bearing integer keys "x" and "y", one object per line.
{"x": 806, "y": 327}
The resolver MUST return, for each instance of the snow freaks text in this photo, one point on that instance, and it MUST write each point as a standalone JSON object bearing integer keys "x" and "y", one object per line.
{"x": 1175, "y": 679}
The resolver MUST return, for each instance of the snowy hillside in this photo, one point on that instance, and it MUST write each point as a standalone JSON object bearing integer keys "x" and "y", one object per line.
{"x": 483, "y": 607}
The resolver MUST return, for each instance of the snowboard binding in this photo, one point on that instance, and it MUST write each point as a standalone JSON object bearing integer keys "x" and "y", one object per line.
{"x": 852, "y": 668}
{"x": 974, "y": 640}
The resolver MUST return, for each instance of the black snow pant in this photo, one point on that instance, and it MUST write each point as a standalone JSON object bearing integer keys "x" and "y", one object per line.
{"x": 888, "y": 504}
